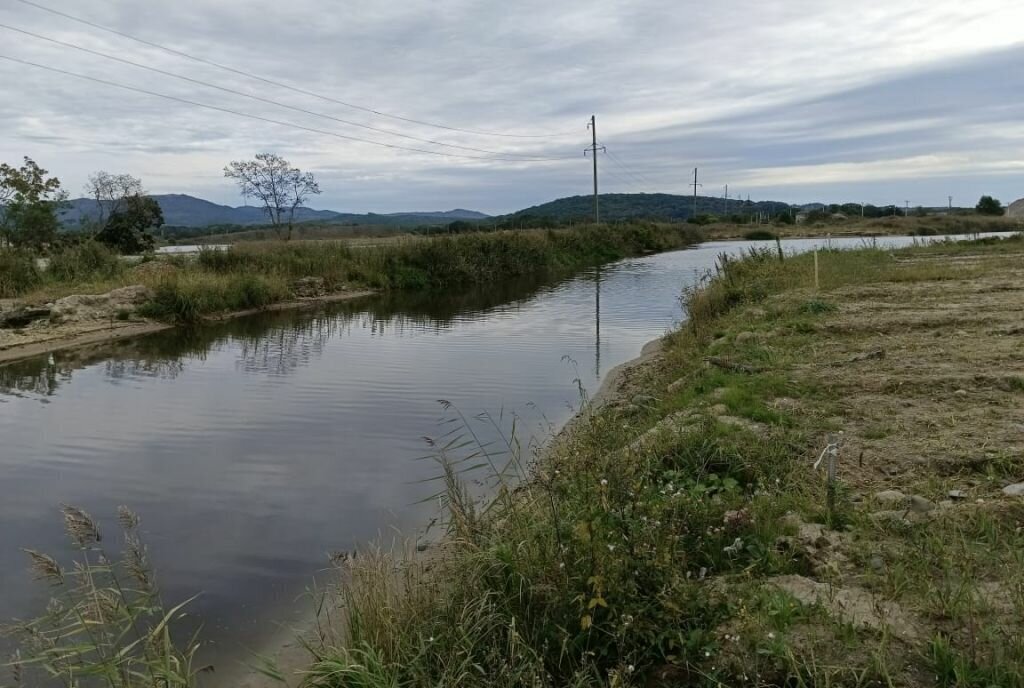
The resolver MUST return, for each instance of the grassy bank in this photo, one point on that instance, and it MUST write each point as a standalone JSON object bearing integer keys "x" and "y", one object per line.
{"x": 682, "y": 537}
{"x": 259, "y": 274}
{"x": 931, "y": 225}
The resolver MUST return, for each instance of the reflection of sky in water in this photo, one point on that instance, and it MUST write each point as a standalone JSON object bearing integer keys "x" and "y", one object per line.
{"x": 253, "y": 448}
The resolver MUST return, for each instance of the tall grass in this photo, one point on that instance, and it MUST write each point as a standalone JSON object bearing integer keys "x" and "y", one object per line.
{"x": 83, "y": 262}
{"x": 254, "y": 274}
{"x": 626, "y": 554}
{"x": 105, "y": 624}
{"x": 18, "y": 273}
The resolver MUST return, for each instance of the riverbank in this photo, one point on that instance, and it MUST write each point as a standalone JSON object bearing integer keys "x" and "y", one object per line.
{"x": 91, "y": 298}
{"x": 680, "y": 533}
{"x": 932, "y": 225}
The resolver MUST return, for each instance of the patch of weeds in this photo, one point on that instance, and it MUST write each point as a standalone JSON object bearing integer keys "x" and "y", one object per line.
{"x": 953, "y": 668}
{"x": 123, "y": 314}
{"x": 817, "y": 307}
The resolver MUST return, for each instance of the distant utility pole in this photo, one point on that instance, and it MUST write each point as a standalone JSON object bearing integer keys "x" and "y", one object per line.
{"x": 906, "y": 210}
{"x": 727, "y": 200}
{"x": 862, "y": 210}
{"x": 950, "y": 204}
{"x": 592, "y": 125}
{"x": 695, "y": 185}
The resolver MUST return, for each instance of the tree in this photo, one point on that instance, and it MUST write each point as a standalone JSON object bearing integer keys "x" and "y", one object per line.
{"x": 989, "y": 206}
{"x": 280, "y": 187}
{"x": 30, "y": 204}
{"x": 111, "y": 191}
{"x": 127, "y": 228}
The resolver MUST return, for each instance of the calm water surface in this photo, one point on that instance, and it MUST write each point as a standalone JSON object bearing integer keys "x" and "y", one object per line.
{"x": 253, "y": 448}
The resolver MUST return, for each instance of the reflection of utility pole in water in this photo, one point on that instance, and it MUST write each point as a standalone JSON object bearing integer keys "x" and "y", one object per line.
{"x": 597, "y": 323}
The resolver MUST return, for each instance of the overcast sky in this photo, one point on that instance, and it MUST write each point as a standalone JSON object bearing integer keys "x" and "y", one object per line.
{"x": 880, "y": 101}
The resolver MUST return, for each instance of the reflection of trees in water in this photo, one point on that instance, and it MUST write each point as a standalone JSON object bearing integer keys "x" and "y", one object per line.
{"x": 36, "y": 376}
{"x": 277, "y": 342}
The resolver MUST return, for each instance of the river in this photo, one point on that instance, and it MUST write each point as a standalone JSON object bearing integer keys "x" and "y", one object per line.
{"x": 253, "y": 448}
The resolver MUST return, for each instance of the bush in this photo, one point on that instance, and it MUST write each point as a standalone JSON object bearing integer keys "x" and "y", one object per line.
{"x": 989, "y": 206}
{"x": 759, "y": 235}
{"x": 18, "y": 272}
{"x": 84, "y": 262}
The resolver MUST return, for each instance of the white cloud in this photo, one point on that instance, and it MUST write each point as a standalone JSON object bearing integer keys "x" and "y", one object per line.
{"x": 747, "y": 90}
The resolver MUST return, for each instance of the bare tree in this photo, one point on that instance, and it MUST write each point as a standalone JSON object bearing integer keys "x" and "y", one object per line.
{"x": 280, "y": 187}
{"x": 111, "y": 192}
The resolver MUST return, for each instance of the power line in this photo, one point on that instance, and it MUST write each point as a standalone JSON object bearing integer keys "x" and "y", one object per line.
{"x": 627, "y": 169}
{"x": 279, "y": 84}
{"x": 269, "y": 119}
{"x": 261, "y": 99}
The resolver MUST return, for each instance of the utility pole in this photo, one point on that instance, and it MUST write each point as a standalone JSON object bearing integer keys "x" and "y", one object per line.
{"x": 906, "y": 210}
{"x": 950, "y": 205}
{"x": 592, "y": 125}
{"x": 727, "y": 200}
{"x": 695, "y": 185}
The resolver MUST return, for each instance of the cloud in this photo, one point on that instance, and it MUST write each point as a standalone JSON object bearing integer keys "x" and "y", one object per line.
{"x": 781, "y": 98}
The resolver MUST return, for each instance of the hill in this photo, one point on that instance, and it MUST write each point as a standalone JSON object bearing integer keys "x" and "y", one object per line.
{"x": 649, "y": 206}
{"x": 181, "y": 210}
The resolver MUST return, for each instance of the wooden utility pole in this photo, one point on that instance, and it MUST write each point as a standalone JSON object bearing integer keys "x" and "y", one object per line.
{"x": 593, "y": 150}
{"x": 695, "y": 185}
{"x": 727, "y": 200}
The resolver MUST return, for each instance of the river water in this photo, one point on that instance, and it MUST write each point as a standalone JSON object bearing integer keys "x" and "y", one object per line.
{"x": 252, "y": 449}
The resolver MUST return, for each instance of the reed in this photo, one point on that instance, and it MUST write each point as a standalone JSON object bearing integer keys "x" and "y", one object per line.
{"x": 106, "y": 624}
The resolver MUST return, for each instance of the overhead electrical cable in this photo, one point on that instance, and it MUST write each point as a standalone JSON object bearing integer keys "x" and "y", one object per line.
{"x": 269, "y": 120}
{"x": 626, "y": 168}
{"x": 243, "y": 94}
{"x": 295, "y": 89}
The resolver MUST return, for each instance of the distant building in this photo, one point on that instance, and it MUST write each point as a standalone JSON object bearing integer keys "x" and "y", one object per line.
{"x": 1015, "y": 209}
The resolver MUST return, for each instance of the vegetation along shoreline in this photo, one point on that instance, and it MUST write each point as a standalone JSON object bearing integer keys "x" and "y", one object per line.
{"x": 683, "y": 534}
{"x": 87, "y": 294}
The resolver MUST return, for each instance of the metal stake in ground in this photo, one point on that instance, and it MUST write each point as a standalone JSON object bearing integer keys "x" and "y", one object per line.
{"x": 830, "y": 454}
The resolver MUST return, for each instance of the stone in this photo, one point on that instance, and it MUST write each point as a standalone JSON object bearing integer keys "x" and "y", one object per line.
{"x": 644, "y": 400}
{"x": 745, "y": 337}
{"x": 891, "y": 469}
{"x": 21, "y": 317}
{"x": 890, "y": 497}
{"x": 1015, "y": 490}
{"x": 791, "y": 521}
{"x": 956, "y": 494}
{"x": 892, "y": 517}
{"x": 960, "y": 393}
{"x": 920, "y": 504}
{"x": 309, "y": 287}
{"x": 719, "y": 410}
{"x": 741, "y": 423}
{"x": 677, "y": 386}
{"x": 877, "y": 563}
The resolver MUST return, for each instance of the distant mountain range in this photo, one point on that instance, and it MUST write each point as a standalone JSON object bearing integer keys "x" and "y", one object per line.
{"x": 188, "y": 211}
{"x": 644, "y": 205}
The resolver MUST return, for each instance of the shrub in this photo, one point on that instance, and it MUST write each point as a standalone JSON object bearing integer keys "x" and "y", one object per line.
{"x": 18, "y": 272}
{"x": 84, "y": 262}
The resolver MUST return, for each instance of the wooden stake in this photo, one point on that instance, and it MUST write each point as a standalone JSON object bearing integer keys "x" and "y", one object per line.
{"x": 816, "y": 267}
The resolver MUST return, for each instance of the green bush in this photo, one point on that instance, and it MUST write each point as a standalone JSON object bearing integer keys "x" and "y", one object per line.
{"x": 18, "y": 272}
{"x": 84, "y": 262}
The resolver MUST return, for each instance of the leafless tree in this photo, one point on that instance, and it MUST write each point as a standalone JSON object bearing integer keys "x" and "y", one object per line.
{"x": 111, "y": 192}
{"x": 280, "y": 187}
